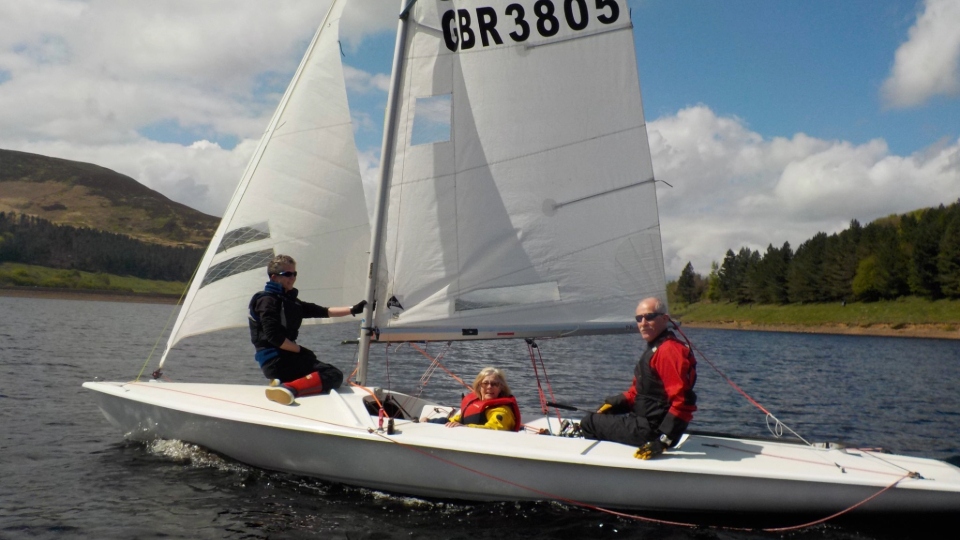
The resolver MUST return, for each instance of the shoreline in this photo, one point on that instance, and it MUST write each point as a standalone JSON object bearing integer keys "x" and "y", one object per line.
{"x": 93, "y": 295}
{"x": 925, "y": 331}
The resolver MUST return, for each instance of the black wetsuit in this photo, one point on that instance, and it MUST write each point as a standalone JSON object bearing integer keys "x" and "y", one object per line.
{"x": 276, "y": 315}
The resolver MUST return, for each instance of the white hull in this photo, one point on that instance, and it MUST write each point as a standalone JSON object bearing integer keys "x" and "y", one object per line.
{"x": 333, "y": 437}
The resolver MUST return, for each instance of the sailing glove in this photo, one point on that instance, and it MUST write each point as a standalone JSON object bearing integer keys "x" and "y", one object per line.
{"x": 615, "y": 404}
{"x": 653, "y": 448}
{"x": 358, "y": 309}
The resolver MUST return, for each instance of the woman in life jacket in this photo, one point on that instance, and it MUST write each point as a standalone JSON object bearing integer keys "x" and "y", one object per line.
{"x": 491, "y": 405}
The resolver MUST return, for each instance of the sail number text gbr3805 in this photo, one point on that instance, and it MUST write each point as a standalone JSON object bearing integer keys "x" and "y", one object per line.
{"x": 462, "y": 27}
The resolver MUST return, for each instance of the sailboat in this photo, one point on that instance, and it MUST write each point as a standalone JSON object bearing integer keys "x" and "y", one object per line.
{"x": 530, "y": 213}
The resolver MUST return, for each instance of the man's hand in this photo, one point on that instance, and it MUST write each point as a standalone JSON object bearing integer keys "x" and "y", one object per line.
{"x": 604, "y": 408}
{"x": 653, "y": 448}
{"x": 358, "y": 308}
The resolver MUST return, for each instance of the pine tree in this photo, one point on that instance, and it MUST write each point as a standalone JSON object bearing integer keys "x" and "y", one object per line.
{"x": 924, "y": 236}
{"x": 713, "y": 283}
{"x": 747, "y": 261}
{"x": 728, "y": 276}
{"x": 804, "y": 275}
{"x": 948, "y": 259}
{"x": 687, "y": 286}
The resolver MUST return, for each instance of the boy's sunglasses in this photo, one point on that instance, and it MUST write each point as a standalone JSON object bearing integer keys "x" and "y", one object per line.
{"x": 287, "y": 274}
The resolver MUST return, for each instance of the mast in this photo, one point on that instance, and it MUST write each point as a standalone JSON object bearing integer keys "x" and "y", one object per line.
{"x": 387, "y": 152}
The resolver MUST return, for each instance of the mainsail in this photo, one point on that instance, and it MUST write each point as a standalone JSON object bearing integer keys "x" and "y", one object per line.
{"x": 301, "y": 195}
{"x": 530, "y": 211}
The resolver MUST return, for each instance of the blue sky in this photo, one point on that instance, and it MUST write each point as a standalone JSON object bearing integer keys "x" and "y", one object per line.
{"x": 772, "y": 120}
{"x": 815, "y": 67}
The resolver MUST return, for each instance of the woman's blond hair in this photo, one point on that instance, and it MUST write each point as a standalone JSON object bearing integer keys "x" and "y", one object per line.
{"x": 486, "y": 372}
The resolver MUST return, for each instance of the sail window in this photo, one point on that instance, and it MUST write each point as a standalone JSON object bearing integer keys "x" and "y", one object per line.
{"x": 244, "y": 235}
{"x": 237, "y": 265}
{"x": 508, "y": 296}
{"x": 431, "y": 120}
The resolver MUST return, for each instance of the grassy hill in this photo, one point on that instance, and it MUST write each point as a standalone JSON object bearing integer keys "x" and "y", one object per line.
{"x": 86, "y": 195}
{"x": 31, "y": 277}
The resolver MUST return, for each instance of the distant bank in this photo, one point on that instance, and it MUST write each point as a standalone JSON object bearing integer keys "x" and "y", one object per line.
{"x": 904, "y": 317}
{"x": 690, "y": 317}
{"x": 89, "y": 295}
{"x": 931, "y": 331}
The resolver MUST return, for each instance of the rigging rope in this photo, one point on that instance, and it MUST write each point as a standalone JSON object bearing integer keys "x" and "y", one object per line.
{"x": 531, "y": 345}
{"x": 779, "y": 426}
{"x": 158, "y": 373}
{"x": 440, "y": 365}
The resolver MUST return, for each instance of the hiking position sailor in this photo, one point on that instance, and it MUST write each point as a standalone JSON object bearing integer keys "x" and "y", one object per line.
{"x": 660, "y": 403}
{"x": 275, "y": 318}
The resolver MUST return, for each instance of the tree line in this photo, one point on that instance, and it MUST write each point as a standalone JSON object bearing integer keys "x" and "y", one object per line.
{"x": 33, "y": 240}
{"x": 910, "y": 254}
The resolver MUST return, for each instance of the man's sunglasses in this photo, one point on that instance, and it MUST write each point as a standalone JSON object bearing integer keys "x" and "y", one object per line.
{"x": 648, "y": 316}
{"x": 287, "y": 274}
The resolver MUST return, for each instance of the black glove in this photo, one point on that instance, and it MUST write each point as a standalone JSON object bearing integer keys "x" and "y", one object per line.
{"x": 653, "y": 448}
{"x": 358, "y": 309}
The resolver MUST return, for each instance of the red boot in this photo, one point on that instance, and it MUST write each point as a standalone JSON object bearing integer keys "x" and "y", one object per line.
{"x": 304, "y": 386}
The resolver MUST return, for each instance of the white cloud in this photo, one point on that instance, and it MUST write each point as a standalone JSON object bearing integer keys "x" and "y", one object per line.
{"x": 362, "y": 18}
{"x": 362, "y": 82}
{"x": 202, "y": 175}
{"x": 99, "y": 71}
{"x": 82, "y": 80}
{"x": 733, "y": 188}
{"x": 928, "y": 63}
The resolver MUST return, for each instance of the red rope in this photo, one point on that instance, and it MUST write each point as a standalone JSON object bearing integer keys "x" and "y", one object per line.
{"x": 437, "y": 361}
{"x": 715, "y": 368}
{"x": 543, "y": 399}
{"x": 536, "y": 376}
{"x": 546, "y": 494}
{"x": 842, "y": 512}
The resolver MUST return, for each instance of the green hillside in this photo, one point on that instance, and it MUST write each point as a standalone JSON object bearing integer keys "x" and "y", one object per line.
{"x": 77, "y": 226}
{"x": 895, "y": 314}
{"x": 30, "y": 276}
{"x": 80, "y": 194}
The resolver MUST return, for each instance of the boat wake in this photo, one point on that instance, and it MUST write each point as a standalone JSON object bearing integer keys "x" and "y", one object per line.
{"x": 199, "y": 457}
{"x": 196, "y": 456}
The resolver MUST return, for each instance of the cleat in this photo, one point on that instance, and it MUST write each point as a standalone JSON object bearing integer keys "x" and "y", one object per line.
{"x": 280, "y": 394}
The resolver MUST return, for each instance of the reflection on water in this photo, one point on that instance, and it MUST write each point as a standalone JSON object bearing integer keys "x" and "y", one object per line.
{"x": 67, "y": 473}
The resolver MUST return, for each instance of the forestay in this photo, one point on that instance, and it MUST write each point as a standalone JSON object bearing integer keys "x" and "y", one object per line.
{"x": 301, "y": 195}
{"x": 516, "y": 209}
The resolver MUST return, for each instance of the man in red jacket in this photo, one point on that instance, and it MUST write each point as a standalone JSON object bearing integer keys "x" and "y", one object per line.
{"x": 659, "y": 405}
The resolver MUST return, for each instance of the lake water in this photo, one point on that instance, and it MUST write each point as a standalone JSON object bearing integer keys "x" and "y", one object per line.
{"x": 66, "y": 473}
